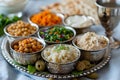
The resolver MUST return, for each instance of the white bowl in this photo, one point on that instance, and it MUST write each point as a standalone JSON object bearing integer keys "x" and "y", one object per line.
{"x": 12, "y": 7}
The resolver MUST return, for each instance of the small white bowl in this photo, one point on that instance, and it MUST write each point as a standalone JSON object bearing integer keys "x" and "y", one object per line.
{"x": 14, "y": 7}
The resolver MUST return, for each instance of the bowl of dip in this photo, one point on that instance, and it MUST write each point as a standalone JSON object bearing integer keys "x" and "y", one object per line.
{"x": 79, "y": 21}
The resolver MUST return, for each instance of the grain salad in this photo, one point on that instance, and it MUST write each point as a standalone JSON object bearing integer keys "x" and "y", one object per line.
{"x": 91, "y": 41}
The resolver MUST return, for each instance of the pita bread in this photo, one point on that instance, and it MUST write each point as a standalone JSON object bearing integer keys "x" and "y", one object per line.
{"x": 72, "y": 7}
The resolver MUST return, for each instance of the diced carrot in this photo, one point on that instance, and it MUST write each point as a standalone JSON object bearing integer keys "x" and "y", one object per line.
{"x": 46, "y": 18}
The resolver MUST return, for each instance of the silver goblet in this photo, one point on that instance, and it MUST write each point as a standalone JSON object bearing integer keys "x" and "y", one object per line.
{"x": 109, "y": 15}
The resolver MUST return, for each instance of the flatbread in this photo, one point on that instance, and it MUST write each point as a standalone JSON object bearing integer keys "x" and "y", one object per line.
{"x": 72, "y": 7}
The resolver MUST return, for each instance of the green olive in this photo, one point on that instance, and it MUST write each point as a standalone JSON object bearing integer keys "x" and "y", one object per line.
{"x": 93, "y": 75}
{"x": 40, "y": 65}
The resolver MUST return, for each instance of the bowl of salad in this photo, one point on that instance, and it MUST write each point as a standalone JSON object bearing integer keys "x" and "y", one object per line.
{"x": 57, "y": 34}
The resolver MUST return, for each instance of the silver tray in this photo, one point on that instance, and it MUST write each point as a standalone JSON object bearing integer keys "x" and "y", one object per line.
{"x": 10, "y": 60}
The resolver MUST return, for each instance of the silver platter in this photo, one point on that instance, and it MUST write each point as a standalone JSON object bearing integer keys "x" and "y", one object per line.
{"x": 10, "y": 60}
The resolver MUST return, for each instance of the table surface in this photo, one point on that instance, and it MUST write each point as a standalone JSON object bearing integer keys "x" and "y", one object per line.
{"x": 109, "y": 72}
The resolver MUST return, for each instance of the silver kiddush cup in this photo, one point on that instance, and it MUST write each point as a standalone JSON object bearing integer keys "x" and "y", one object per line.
{"x": 109, "y": 15}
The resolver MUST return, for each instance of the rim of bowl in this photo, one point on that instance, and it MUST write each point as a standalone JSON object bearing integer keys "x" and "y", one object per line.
{"x": 98, "y": 4}
{"x": 67, "y": 27}
{"x": 34, "y": 25}
{"x": 58, "y": 14}
{"x": 74, "y": 40}
{"x": 87, "y": 17}
{"x": 40, "y": 40}
{"x": 78, "y": 52}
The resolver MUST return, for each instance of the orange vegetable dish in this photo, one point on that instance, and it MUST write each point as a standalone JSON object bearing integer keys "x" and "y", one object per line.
{"x": 46, "y": 18}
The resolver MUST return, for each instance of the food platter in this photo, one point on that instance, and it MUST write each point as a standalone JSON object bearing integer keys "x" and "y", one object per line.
{"x": 7, "y": 55}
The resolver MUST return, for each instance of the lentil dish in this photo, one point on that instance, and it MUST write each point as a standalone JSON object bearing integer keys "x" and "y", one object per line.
{"x": 28, "y": 45}
{"x": 21, "y": 28}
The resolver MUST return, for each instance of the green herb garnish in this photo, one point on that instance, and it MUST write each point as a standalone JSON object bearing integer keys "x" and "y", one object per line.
{"x": 4, "y": 20}
{"x": 16, "y": 63}
{"x": 61, "y": 47}
{"x": 31, "y": 68}
{"x": 77, "y": 72}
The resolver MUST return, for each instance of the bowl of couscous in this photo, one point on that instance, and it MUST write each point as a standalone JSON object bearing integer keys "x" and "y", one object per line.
{"x": 93, "y": 46}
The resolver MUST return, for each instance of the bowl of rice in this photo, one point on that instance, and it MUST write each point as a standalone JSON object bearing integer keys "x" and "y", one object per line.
{"x": 60, "y": 58}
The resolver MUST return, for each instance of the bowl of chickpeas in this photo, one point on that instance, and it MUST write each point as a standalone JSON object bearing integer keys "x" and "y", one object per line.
{"x": 27, "y": 50}
{"x": 20, "y": 29}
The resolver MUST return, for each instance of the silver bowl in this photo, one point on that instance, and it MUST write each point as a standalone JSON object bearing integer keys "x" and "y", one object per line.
{"x": 92, "y": 55}
{"x": 58, "y": 14}
{"x": 67, "y": 27}
{"x": 12, "y": 38}
{"x": 83, "y": 27}
{"x": 88, "y": 21}
{"x": 59, "y": 68}
{"x": 108, "y": 3}
{"x": 26, "y": 58}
